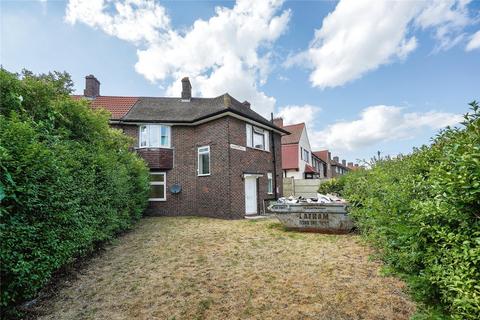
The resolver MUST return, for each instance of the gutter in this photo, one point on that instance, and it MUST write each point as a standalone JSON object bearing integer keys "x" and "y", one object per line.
{"x": 212, "y": 116}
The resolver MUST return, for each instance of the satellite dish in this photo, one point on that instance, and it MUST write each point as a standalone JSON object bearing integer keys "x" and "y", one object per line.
{"x": 175, "y": 189}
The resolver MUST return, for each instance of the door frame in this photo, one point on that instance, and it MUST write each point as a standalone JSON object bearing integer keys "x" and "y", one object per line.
{"x": 251, "y": 176}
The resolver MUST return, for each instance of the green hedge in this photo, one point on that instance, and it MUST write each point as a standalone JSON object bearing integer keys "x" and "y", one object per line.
{"x": 423, "y": 212}
{"x": 67, "y": 182}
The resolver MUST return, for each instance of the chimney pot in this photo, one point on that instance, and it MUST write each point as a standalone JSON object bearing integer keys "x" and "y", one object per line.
{"x": 92, "y": 86}
{"x": 186, "y": 89}
{"x": 278, "y": 122}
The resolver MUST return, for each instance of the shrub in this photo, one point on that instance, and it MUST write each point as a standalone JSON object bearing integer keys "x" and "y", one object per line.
{"x": 423, "y": 212}
{"x": 334, "y": 185}
{"x": 67, "y": 182}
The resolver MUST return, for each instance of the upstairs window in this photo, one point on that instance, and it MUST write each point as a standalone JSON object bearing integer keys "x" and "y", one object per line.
{"x": 257, "y": 138}
{"x": 204, "y": 161}
{"x": 154, "y": 136}
{"x": 306, "y": 156}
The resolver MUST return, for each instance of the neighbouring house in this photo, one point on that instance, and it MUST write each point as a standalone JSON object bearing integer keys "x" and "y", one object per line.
{"x": 334, "y": 167}
{"x": 207, "y": 156}
{"x": 298, "y": 162}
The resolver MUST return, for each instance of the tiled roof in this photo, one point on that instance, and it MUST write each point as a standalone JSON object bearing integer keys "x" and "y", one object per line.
{"x": 289, "y": 156}
{"x": 295, "y": 133}
{"x": 161, "y": 109}
{"x": 309, "y": 169}
{"x": 318, "y": 158}
{"x": 118, "y": 106}
{"x": 323, "y": 155}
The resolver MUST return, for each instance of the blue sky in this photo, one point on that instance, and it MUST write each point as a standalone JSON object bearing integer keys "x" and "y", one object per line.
{"x": 364, "y": 76}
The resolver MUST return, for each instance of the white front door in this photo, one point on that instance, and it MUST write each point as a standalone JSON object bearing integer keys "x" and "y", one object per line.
{"x": 250, "y": 195}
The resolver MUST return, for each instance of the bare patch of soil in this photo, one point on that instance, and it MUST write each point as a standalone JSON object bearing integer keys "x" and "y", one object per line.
{"x": 200, "y": 268}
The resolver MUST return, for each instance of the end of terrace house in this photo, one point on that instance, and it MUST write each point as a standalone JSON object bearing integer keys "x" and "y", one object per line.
{"x": 211, "y": 157}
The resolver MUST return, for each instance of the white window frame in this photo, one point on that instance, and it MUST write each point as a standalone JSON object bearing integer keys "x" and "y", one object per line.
{"x": 160, "y": 183}
{"x": 148, "y": 144}
{"x": 251, "y": 131}
{"x": 306, "y": 156}
{"x": 269, "y": 183}
{"x": 199, "y": 153}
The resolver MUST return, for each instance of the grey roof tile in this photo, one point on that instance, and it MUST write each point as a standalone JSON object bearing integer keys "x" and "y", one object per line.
{"x": 177, "y": 110}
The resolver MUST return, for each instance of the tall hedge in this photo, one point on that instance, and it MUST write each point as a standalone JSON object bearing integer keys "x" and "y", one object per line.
{"x": 423, "y": 212}
{"x": 67, "y": 182}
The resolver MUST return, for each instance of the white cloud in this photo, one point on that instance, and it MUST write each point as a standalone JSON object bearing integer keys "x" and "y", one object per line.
{"x": 293, "y": 114}
{"x": 220, "y": 54}
{"x": 474, "y": 42}
{"x": 130, "y": 20}
{"x": 358, "y": 37}
{"x": 378, "y": 124}
{"x": 448, "y": 18}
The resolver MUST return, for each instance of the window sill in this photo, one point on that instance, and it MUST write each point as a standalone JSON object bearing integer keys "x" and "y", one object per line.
{"x": 157, "y": 200}
{"x": 253, "y": 148}
{"x": 204, "y": 175}
{"x": 137, "y": 148}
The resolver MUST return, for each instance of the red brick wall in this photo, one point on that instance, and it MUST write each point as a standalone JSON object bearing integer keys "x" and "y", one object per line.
{"x": 221, "y": 194}
{"x": 251, "y": 161}
{"x": 157, "y": 158}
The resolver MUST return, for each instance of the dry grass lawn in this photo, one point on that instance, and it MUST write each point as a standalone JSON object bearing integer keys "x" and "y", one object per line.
{"x": 200, "y": 268}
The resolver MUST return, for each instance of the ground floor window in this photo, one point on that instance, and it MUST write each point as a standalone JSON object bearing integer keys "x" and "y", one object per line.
{"x": 158, "y": 186}
{"x": 204, "y": 161}
{"x": 269, "y": 183}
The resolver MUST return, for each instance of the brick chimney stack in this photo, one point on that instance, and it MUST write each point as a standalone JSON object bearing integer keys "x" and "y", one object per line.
{"x": 278, "y": 122}
{"x": 336, "y": 159}
{"x": 350, "y": 165}
{"x": 344, "y": 162}
{"x": 246, "y": 104}
{"x": 92, "y": 86}
{"x": 186, "y": 89}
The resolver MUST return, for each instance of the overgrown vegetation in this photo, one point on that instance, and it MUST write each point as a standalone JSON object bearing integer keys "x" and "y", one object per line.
{"x": 202, "y": 268}
{"x": 423, "y": 212}
{"x": 67, "y": 182}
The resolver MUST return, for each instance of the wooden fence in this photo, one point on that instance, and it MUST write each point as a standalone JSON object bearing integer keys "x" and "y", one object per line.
{"x": 301, "y": 187}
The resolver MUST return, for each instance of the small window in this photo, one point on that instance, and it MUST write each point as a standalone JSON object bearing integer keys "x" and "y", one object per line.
{"x": 257, "y": 138}
{"x": 306, "y": 156}
{"x": 154, "y": 136}
{"x": 249, "y": 136}
{"x": 269, "y": 183}
{"x": 158, "y": 186}
{"x": 204, "y": 161}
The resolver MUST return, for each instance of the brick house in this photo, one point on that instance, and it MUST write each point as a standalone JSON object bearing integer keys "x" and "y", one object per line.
{"x": 335, "y": 167}
{"x": 298, "y": 160}
{"x": 211, "y": 157}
